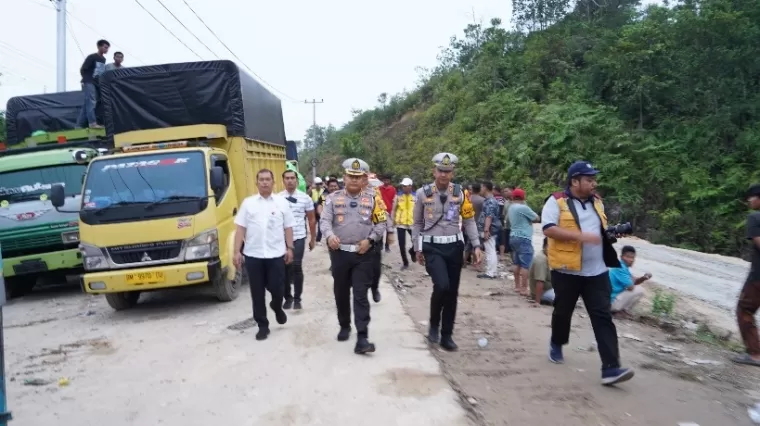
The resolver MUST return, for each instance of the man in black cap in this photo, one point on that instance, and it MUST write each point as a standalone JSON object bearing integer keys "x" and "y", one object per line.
{"x": 579, "y": 254}
{"x": 749, "y": 298}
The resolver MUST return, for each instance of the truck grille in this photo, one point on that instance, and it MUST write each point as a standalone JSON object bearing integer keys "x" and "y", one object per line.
{"x": 145, "y": 252}
{"x": 30, "y": 245}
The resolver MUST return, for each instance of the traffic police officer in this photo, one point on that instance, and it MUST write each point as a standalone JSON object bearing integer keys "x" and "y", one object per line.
{"x": 439, "y": 244}
{"x": 353, "y": 222}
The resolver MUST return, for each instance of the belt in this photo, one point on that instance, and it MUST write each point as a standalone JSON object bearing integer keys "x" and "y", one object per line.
{"x": 448, "y": 239}
{"x": 351, "y": 248}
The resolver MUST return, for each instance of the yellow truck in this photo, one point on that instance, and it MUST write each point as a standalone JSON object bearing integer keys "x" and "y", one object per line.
{"x": 157, "y": 211}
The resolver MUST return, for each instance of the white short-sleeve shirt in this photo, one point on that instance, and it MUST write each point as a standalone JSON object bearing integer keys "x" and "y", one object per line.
{"x": 299, "y": 207}
{"x": 265, "y": 221}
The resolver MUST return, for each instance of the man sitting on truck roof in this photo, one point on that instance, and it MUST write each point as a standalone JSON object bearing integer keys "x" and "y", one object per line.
{"x": 93, "y": 65}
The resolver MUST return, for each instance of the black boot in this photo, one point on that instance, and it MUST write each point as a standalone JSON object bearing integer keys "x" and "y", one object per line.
{"x": 344, "y": 333}
{"x": 363, "y": 346}
{"x": 288, "y": 303}
{"x": 448, "y": 343}
{"x": 262, "y": 334}
{"x": 376, "y": 295}
{"x": 433, "y": 336}
{"x": 297, "y": 304}
{"x": 279, "y": 313}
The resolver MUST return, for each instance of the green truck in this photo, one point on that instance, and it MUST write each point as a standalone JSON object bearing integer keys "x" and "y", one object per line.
{"x": 35, "y": 239}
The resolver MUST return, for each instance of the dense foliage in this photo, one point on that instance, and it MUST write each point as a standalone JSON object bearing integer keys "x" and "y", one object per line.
{"x": 663, "y": 99}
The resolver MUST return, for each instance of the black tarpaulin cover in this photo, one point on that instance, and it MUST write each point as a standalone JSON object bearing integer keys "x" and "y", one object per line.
{"x": 211, "y": 92}
{"x": 291, "y": 151}
{"x": 51, "y": 112}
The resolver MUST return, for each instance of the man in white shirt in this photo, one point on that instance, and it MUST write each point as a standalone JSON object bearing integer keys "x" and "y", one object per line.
{"x": 265, "y": 223}
{"x": 302, "y": 208}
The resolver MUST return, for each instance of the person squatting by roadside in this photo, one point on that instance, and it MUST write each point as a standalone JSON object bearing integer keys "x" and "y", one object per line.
{"x": 402, "y": 216}
{"x": 439, "y": 244}
{"x": 626, "y": 291}
{"x": 540, "y": 279}
{"x": 353, "y": 222}
{"x": 579, "y": 253}
{"x": 489, "y": 227}
{"x": 303, "y": 209}
{"x": 749, "y": 298}
{"x": 265, "y": 223}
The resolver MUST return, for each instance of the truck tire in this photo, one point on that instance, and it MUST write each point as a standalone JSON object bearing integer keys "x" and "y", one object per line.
{"x": 123, "y": 300}
{"x": 228, "y": 290}
{"x": 16, "y": 287}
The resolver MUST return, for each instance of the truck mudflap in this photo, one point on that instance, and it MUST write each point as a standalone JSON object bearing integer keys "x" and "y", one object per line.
{"x": 153, "y": 277}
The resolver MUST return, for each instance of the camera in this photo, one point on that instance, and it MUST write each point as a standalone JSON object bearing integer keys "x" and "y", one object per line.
{"x": 613, "y": 231}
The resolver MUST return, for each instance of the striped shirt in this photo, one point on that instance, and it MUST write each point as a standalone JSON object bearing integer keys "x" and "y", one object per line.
{"x": 300, "y": 204}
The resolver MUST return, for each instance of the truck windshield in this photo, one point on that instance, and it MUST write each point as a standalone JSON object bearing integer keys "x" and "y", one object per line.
{"x": 31, "y": 184}
{"x": 145, "y": 179}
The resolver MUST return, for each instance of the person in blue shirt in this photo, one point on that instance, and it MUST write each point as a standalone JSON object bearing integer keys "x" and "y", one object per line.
{"x": 626, "y": 292}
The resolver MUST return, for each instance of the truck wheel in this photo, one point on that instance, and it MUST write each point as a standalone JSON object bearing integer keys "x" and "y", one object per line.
{"x": 228, "y": 290}
{"x": 123, "y": 300}
{"x": 19, "y": 286}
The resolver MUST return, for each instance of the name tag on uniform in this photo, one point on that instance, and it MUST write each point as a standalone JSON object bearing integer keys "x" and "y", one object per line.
{"x": 451, "y": 212}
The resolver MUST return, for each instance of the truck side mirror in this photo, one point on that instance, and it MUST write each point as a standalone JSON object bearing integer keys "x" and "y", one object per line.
{"x": 217, "y": 178}
{"x": 57, "y": 196}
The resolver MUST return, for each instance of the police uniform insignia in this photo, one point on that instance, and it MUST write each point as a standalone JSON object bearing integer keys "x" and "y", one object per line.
{"x": 340, "y": 218}
{"x": 446, "y": 160}
{"x": 356, "y": 165}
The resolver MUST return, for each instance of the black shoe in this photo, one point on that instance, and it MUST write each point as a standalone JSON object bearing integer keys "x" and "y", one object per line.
{"x": 387, "y": 249}
{"x": 262, "y": 334}
{"x": 363, "y": 346}
{"x": 297, "y": 304}
{"x": 344, "y": 334}
{"x": 288, "y": 304}
{"x": 448, "y": 343}
{"x": 433, "y": 336}
{"x": 405, "y": 267}
{"x": 279, "y": 313}
{"x": 376, "y": 295}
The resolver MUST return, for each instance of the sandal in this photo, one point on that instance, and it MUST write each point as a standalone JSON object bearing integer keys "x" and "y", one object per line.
{"x": 746, "y": 360}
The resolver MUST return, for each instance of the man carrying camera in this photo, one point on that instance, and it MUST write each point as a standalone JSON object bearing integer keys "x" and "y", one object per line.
{"x": 579, "y": 252}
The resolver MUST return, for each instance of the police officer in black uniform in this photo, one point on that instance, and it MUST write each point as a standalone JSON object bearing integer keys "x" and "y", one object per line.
{"x": 439, "y": 243}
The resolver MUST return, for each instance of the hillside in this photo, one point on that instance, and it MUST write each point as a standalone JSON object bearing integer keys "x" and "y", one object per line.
{"x": 663, "y": 99}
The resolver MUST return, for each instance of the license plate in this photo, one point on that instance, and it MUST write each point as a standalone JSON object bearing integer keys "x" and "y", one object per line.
{"x": 138, "y": 278}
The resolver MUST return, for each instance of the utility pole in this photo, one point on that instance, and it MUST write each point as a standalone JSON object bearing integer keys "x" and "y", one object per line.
{"x": 60, "y": 7}
{"x": 314, "y": 103}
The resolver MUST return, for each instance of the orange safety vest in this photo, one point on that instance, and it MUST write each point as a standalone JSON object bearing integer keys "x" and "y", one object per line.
{"x": 567, "y": 255}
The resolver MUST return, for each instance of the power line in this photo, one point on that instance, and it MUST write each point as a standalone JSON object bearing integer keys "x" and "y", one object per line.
{"x": 74, "y": 36}
{"x": 236, "y": 56}
{"x": 167, "y": 29}
{"x": 100, "y": 34}
{"x": 188, "y": 29}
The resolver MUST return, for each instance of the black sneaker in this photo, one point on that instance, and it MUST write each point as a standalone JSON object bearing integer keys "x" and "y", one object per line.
{"x": 297, "y": 304}
{"x": 363, "y": 346}
{"x": 433, "y": 336}
{"x": 279, "y": 313}
{"x": 376, "y": 295}
{"x": 448, "y": 343}
{"x": 344, "y": 334}
{"x": 262, "y": 334}
{"x": 288, "y": 304}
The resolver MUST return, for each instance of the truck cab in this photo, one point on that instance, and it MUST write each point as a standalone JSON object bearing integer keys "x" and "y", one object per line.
{"x": 36, "y": 239}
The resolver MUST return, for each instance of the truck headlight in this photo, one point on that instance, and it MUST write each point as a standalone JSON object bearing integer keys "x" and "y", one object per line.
{"x": 203, "y": 246}
{"x": 70, "y": 237}
{"x": 92, "y": 257}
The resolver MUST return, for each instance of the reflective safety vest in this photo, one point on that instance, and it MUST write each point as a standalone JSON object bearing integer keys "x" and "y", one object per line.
{"x": 567, "y": 255}
{"x": 315, "y": 194}
{"x": 404, "y": 209}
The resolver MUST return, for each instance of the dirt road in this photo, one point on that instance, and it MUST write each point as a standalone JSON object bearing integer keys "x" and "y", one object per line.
{"x": 173, "y": 361}
{"x": 511, "y": 382}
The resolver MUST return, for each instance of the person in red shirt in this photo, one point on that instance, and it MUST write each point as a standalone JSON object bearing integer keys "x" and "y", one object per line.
{"x": 388, "y": 192}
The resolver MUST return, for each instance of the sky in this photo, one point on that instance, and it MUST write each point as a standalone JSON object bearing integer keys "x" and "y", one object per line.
{"x": 341, "y": 51}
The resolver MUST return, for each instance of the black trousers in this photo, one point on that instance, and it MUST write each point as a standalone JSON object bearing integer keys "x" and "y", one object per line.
{"x": 444, "y": 264}
{"x": 401, "y": 233}
{"x": 319, "y": 230}
{"x": 265, "y": 274}
{"x": 595, "y": 292}
{"x": 377, "y": 264}
{"x": 294, "y": 271}
{"x": 352, "y": 271}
